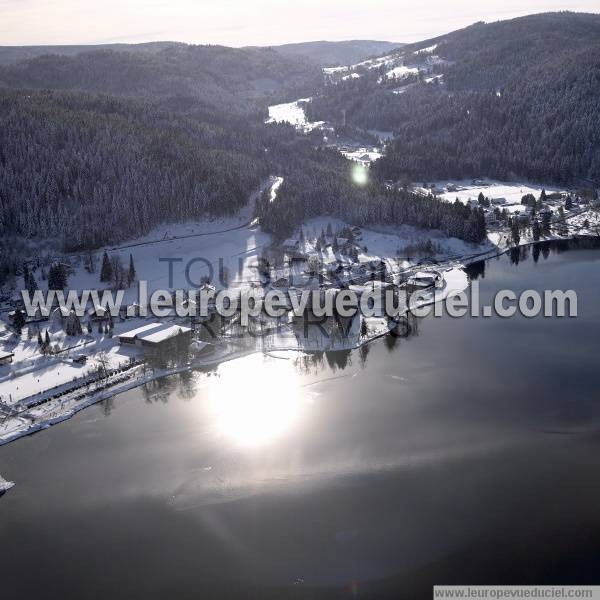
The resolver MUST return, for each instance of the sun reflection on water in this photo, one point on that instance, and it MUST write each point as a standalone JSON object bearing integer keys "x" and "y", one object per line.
{"x": 255, "y": 401}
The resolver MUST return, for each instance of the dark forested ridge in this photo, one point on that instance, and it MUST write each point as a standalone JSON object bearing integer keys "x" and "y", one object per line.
{"x": 322, "y": 53}
{"x": 230, "y": 79}
{"x": 516, "y": 98}
{"x": 329, "y": 54}
{"x": 13, "y": 54}
{"x": 319, "y": 189}
{"x": 86, "y": 170}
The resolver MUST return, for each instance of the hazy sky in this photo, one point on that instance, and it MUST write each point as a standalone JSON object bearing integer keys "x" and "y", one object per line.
{"x": 252, "y": 22}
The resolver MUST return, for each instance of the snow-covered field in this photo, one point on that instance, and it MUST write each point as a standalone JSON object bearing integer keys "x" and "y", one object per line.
{"x": 294, "y": 114}
{"x": 427, "y": 50}
{"x": 189, "y": 251}
{"x": 365, "y": 156}
{"x": 512, "y": 192}
{"x": 401, "y": 71}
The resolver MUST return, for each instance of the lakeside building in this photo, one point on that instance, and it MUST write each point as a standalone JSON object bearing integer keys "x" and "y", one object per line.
{"x": 155, "y": 335}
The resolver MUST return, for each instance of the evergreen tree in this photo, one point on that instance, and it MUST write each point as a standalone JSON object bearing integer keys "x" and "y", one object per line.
{"x": 546, "y": 222}
{"x": 19, "y": 320}
{"x": 25, "y": 276}
{"x": 528, "y": 200}
{"x": 131, "y": 274}
{"x": 363, "y": 327}
{"x": 106, "y": 271}
{"x": 481, "y": 227}
{"x": 118, "y": 272}
{"x": 29, "y": 282}
{"x": 536, "y": 230}
{"x": 31, "y": 285}
{"x": 568, "y": 203}
{"x": 514, "y": 231}
{"x": 57, "y": 277}
{"x": 73, "y": 326}
{"x": 47, "y": 340}
{"x": 40, "y": 341}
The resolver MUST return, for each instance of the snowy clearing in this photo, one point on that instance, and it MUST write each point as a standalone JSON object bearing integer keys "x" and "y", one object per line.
{"x": 493, "y": 189}
{"x": 427, "y": 50}
{"x": 401, "y": 71}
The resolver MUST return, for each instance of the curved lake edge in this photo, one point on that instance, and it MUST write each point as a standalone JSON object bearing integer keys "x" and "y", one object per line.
{"x": 462, "y": 263}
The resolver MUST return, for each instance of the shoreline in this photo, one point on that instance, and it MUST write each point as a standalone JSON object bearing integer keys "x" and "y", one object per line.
{"x": 63, "y": 409}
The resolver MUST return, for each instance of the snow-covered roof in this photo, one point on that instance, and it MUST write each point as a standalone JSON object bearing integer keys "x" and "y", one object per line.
{"x": 4, "y": 355}
{"x": 132, "y": 333}
{"x": 156, "y": 336}
{"x": 424, "y": 276}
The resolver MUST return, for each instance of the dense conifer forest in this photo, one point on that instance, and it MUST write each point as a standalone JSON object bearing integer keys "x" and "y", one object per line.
{"x": 103, "y": 146}
{"x": 516, "y": 98}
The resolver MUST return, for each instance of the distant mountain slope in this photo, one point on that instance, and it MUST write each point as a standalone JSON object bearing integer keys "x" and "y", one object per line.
{"x": 13, "y": 54}
{"x": 490, "y": 55}
{"x": 230, "y": 79}
{"x": 331, "y": 54}
{"x": 516, "y": 98}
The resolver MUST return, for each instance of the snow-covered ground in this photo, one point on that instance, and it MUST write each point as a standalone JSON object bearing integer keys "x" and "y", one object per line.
{"x": 294, "y": 114}
{"x": 493, "y": 189}
{"x": 392, "y": 241}
{"x": 427, "y": 50}
{"x": 170, "y": 257}
{"x": 190, "y": 251}
{"x": 401, "y": 71}
{"x": 371, "y": 63}
{"x": 365, "y": 156}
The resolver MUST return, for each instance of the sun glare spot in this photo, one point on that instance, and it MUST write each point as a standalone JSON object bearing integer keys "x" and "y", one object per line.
{"x": 360, "y": 174}
{"x": 254, "y": 402}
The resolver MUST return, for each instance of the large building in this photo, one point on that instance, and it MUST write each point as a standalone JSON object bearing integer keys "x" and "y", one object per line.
{"x": 155, "y": 335}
